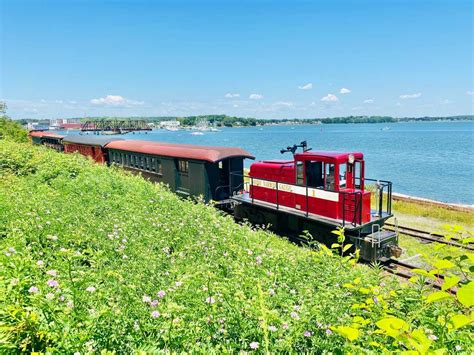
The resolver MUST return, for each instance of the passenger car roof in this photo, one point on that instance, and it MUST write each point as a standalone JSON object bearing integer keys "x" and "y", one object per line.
{"x": 183, "y": 151}
{"x": 90, "y": 140}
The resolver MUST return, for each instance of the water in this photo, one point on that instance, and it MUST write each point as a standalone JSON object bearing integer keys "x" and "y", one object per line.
{"x": 432, "y": 160}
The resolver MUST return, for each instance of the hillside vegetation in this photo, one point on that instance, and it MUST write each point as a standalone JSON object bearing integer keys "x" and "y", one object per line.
{"x": 92, "y": 258}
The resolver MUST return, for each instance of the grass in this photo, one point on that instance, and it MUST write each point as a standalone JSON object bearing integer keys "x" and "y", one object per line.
{"x": 93, "y": 259}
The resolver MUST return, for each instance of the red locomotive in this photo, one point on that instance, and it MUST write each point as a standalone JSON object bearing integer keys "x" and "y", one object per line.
{"x": 319, "y": 191}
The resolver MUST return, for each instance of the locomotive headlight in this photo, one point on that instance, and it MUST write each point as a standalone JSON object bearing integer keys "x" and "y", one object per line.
{"x": 351, "y": 159}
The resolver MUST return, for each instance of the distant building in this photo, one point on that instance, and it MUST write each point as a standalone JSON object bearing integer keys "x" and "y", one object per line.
{"x": 169, "y": 124}
{"x": 57, "y": 123}
{"x": 68, "y": 126}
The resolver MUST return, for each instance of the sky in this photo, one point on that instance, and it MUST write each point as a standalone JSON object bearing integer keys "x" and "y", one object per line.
{"x": 263, "y": 59}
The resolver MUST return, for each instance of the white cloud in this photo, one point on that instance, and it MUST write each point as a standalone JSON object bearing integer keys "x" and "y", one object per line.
{"x": 446, "y": 102}
{"x": 72, "y": 102}
{"x": 470, "y": 93}
{"x": 330, "y": 98}
{"x": 230, "y": 95}
{"x": 58, "y": 101}
{"x": 284, "y": 103}
{"x": 308, "y": 86}
{"x": 235, "y": 105}
{"x": 344, "y": 91}
{"x": 410, "y": 96}
{"x": 255, "y": 97}
{"x": 115, "y": 100}
{"x": 369, "y": 101}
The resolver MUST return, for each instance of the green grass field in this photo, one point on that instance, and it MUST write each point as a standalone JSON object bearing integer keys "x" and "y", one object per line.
{"x": 94, "y": 259}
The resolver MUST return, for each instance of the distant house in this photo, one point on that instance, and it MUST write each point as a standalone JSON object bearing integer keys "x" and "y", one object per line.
{"x": 68, "y": 126}
{"x": 169, "y": 124}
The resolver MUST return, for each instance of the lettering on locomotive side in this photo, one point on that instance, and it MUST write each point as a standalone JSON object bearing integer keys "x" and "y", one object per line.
{"x": 298, "y": 190}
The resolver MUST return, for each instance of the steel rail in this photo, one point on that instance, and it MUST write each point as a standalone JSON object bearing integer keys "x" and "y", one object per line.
{"x": 430, "y": 237}
{"x": 403, "y": 270}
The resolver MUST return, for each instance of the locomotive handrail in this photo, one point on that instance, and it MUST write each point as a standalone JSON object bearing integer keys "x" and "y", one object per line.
{"x": 357, "y": 218}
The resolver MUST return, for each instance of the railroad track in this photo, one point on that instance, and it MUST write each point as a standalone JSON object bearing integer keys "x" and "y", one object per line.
{"x": 405, "y": 271}
{"x": 428, "y": 237}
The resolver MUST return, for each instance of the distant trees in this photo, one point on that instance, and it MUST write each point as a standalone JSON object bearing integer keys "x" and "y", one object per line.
{"x": 10, "y": 129}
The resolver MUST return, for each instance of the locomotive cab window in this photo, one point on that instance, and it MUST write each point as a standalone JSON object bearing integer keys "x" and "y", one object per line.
{"x": 343, "y": 175}
{"x": 314, "y": 174}
{"x": 299, "y": 173}
{"x": 329, "y": 176}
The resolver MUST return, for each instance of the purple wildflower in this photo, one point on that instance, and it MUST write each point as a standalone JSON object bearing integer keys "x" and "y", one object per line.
{"x": 254, "y": 345}
{"x": 294, "y": 315}
{"x": 33, "y": 289}
{"x": 52, "y": 283}
{"x": 376, "y": 300}
{"x": 210, "y": 300}
{"x": 40, "y": 263}
{"x": 258, "y": 260}
{"x": 146, "y": 299}
{"x": 154, "y": 303}
{"x": 328, "y": 331}
{"x": 307, "y": 333}
{"x": 161, "y": 294}
{"x": 155, "y": 314}
{"x": 52, "y": 273}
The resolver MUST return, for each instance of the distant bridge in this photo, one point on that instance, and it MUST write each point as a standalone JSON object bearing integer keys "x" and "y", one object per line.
{"x": 115, "y": 126}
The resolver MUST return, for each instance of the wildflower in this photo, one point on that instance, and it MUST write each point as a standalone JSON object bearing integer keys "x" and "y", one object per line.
{"x": 52, "y": 283}
{"x": 226, "y": 254}
{"x": 77, "y": 353}
{"x": 33, "y": 289}
{"x": 40, "y": 263}
{"x": 12, "y": 250}
{"x": 294, "y": 315}
{"x": 50, "y": 296}
{"x": 210, "y": 300}
{"x": 376, "y": 300}
{"x": 272, "y": 328}
{"x": 90, "y": 289}
{"x": 249, "y": 252}
{"x": 155, "y": 314}
{"x": 178, "y": 283}
{"x": 154, "y": 303}
{"x": 382, "y": 284}
{"x": 222, "y": 330}
{"x": 254, "y": 345}
{"x": 14, "y": 282}
{"x": 307, "y": 333}
{"x": 70, "y": 304}
{"x": 258, "y": 260}
{"x": 432, "y": 337}
{"x": 61, "y": 298}
{"x": 296, "y": 308}
{"x": 328, "y": 331}
{"x": 52, "y": 237}
{"x": 271, "y": 292}
{"x": 285, "y": 326}
{"x": 293, "y": 292}
{"x": 7, "y": 253}
{"x": 221, "y": 320}
{"x": 52, "y": 273}
{"x": 63, "y": 250}
{"x": 161, "y": 293}
{"x": 146, "y": 299}
{"x": 458, "y": 347}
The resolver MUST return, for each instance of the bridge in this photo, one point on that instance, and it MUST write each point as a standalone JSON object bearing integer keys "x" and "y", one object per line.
{"x": 115, "y": 126}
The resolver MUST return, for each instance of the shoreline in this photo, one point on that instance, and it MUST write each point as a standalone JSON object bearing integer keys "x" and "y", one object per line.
{"x": 429, "y": 202}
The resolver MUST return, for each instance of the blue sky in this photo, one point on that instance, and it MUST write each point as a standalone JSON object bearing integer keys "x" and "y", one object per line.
{"x": 265, "y": 59}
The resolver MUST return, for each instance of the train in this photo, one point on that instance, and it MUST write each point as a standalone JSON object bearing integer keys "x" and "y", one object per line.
{"x": 313, "y": 192}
